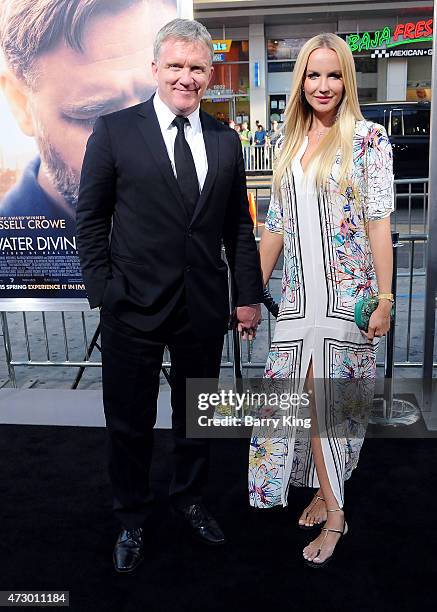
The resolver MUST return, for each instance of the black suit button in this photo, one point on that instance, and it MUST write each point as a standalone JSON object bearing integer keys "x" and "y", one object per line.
{"x": 187, "y": 268}
{"x": 190, "y": 234}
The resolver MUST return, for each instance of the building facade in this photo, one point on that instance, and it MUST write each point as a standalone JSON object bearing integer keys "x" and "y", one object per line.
{"x": 257, "y": 43}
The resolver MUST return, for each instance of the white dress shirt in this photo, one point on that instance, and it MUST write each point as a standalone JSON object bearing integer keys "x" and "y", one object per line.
{"x": 193, "y": 135}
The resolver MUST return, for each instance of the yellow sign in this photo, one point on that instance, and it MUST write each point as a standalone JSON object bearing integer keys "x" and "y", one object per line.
{"x": 222, "y": 46}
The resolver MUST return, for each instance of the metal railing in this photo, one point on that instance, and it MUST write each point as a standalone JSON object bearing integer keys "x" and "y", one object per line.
{"x": 69, "y": 338}
{"x": 258, "y": 158}
{"x": 62, "y": 339}
{"x": 411, "y": 213}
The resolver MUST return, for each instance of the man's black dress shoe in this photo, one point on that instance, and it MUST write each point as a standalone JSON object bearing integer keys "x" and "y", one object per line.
{"x": 128, "y": 551}
{"x": 201, "y": 524}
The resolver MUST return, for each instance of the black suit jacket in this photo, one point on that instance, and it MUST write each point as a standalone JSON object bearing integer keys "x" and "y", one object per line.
{"x": 138, "y": 249}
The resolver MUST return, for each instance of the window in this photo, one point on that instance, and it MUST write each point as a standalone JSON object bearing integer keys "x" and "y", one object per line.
{"x": 276, "y": 66}
{"x": 231, "y": 72}
{"x": 228, "y": 80}
{"x": 400, "y": 120}
{"x": 367, "y": 94}
{"x": 277, "y": 104}
{"x": 284, "y": 49}
{"x": 375, "y": 113}
{"x": 410, "y": 121}
{"x": 366, "y": 64}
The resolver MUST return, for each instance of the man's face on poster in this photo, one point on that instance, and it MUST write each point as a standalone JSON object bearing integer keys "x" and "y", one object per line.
{"x": 72, "y": 88}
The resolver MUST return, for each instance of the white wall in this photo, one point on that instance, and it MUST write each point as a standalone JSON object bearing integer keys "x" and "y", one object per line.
{"x": 258, "y": 95}
{"x": 381, "y": 95}
{"x": 419, "y": 68}
{"x": 397, "y": 79}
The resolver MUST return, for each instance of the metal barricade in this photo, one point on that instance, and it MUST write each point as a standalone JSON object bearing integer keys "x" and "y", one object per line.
{"x": 411, "y": 213}
{"x": 410, "y": 221}
{"x": 411, "y": 299}
{"x": 65, "y": 335}
{"x": 388, "y": 409}
{"x": 68, "y": 337}
{"x": 63, "y": 339}
{"x": 258, "y": 158}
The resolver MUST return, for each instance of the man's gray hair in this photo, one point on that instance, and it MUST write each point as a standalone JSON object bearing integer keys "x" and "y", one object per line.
{"x": 187, "y": 30}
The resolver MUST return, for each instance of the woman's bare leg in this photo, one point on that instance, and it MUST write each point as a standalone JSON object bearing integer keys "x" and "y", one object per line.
{"x": 335, "y": 520}
{"x": 315, "y": 513}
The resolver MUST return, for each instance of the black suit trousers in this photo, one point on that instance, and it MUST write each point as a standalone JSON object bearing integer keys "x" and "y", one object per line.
{"x": 131, "y": 364}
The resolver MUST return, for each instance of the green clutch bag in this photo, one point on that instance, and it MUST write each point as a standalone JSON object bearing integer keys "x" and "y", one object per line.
{"x": 363, "y": 311}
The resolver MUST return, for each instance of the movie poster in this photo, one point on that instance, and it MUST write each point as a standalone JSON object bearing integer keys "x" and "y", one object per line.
{"x": 63, "y": 63}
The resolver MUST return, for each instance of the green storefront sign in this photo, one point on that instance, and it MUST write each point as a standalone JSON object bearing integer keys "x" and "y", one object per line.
{"x": 401, "y": 34}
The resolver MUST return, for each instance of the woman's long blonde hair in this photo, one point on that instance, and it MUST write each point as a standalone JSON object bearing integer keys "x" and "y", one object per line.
{"x": 298, "y": 117}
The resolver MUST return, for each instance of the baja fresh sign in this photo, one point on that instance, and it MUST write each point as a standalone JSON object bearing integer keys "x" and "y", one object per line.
{"x": 384, "y": 53}
{"x": 388, "y": 37}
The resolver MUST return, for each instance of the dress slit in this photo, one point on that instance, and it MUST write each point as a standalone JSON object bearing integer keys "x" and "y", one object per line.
{"x": 325, "y": 445}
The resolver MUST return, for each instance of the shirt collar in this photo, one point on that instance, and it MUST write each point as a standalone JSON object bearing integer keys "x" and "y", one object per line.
{"x": 166, "y": 116}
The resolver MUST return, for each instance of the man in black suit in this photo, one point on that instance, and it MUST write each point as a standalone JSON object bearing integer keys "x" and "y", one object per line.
{"x": 162, "y": 185}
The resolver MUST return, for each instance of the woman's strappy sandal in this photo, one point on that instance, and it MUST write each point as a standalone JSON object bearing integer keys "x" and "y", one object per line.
{"x": 342, "y": 532}
{"x": 308, "y": 528}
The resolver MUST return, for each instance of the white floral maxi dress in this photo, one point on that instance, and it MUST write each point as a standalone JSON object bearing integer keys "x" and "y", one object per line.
{"x": 328, "y": 266}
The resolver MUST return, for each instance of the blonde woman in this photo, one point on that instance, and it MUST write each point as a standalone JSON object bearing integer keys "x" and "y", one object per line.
{"x": 330, "y": 213}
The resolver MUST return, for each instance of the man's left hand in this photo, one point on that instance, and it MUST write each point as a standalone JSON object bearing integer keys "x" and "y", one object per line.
{"x": 248, "y": 319}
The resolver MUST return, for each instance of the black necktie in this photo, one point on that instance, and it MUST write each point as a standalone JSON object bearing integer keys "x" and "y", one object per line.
{"x": 185, "y": 168}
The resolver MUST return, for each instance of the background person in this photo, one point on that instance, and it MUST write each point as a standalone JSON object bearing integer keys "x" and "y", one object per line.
{"x": 245, "y": 135}
{"x": 153, "y": 184}
{"x": 246, "y": 141}
{"x": 220, "y": 116}
{"x": 260, "y": 141}
{"x": 274, "y": 133}
{"x": 260, "y": 136}
{"x": 332, "y": 197}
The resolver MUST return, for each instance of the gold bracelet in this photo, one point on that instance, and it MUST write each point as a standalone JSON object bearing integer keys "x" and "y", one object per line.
{"x": 386, "y": 296}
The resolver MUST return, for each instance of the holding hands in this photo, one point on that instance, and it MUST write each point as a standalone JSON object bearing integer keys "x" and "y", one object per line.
{"x": 247, "y": 319}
